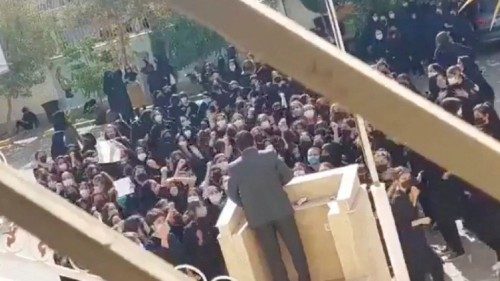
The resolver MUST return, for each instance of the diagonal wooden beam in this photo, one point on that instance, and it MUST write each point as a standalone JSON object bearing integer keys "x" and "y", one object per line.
{"x": 395, "y": 110}
{"x": 71, "y": 231}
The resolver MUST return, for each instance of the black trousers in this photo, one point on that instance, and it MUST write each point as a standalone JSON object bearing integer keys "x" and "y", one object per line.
{"x": 268, "y": 239}
{"x": 448, "y": 229}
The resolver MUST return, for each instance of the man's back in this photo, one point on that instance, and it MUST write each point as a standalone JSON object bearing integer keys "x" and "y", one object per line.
{"x": 256, "y": 184}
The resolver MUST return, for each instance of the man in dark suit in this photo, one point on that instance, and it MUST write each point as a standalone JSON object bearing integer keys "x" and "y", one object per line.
{"x": 256, "y": 181}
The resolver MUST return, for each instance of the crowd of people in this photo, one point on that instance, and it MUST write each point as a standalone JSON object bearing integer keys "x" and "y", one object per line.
{"x": 405, "y": 34}
{"x": 175, "y": 155}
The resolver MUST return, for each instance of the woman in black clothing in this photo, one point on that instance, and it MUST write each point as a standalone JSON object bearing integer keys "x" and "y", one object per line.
{"x": 141, "y": 127}
{"x": 419, "y": 257}
{"x": 471, "y": 71}
{"x": 437, "y": 81}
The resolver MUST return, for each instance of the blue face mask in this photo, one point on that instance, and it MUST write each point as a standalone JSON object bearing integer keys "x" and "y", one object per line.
{"x": 313, "y": 159}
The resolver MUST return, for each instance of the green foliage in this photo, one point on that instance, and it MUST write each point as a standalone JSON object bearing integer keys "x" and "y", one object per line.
{"x": 27, "y": 44}
{"x": 187, "y": 40}
{"x": 87, "y": 67}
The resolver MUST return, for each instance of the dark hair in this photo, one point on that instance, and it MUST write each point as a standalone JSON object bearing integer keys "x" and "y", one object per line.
{"x": 152, "y": 215}
{"x": 244, "y": 140}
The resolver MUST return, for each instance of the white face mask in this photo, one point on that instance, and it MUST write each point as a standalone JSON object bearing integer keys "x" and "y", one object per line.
{"x": 414, "y": 16}
{"x": 375, "y": 18}
{"x": 309, "y": 113}
{"x": 68, "y": 182}
{"x": 379, "y": 35}
{"x": 142, "y": 156}
{"x": 184, "y": 100}
{"x": 191, "y": 199}
{"x": 232, "y": 67}
{"x": 221, "y": 123}
{"x": 174, "y": 191}
{"x": 158, "y": 118}
{"x": 454, "y": 80}
{"x": 201, "y": 212}
{"x": 84, "y": 193}
{"x": 265, "y": 124}
{"x": 297, "y": 112}
{"x": 215, "y": 198}
{"x": 392, "y": 15}
{"x": 283, "y": 127}
{"x": 187, "y": 134}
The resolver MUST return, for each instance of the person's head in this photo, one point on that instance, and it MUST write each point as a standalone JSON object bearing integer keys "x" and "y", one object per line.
{"x": 264, "y": 121}
{"x": 141, "y": 154}
{"x": 140, "y": 175}
{"x": 41, "y": 156}
{"x": 213, "y": 194}
{"x": 296, "y": 108}
{"x": 137, "y": 224}
{"x": 157, "y": 117}
{"x": 309, "y": 111}
{"x": 454, "y": 75}
{"x": 382, "y": 160}
{"x": 313, "y": 156}
{"x": 485, "y": 116}
{"x": 232, "y": 65}
{"x": 443, "y": 38}
{"x": 244, "y": 140}
{"x": 466, "y": 63}
{"x": 221, "y": 120}
{"x": 393, "y": 32}
{"x": 91, "y": 171}
{"x": 111, "y": 132}
{"x": 68, "y": 179}
{"x": 452, "y": 105}
{"x": 391, "y": 15}
{"x": 62, "y": 164}
{"x": 25, "y": 109}
{"x": 379, "y": 35}
{"x": 183, "y": 99}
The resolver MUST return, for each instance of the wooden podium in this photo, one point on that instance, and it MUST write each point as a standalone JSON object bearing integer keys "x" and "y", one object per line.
{"x": 337, "y": 228}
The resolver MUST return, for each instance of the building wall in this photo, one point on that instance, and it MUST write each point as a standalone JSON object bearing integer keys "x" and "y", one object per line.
{"x": 295, "y": 10}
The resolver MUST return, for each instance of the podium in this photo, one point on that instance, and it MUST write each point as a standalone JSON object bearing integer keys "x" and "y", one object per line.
{"x": 336, "y": 225}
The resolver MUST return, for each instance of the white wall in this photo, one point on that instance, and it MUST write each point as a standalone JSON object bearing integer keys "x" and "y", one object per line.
{"x": 296, "y": 11}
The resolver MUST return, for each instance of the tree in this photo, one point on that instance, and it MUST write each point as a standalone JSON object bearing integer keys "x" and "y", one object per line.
{"x": 113, "y": 16}
{"x": 27, "y": 44}
{"x": 87, "y": 67}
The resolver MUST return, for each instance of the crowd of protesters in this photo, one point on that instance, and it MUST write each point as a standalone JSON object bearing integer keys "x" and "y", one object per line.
{"x": 176, "y": 154}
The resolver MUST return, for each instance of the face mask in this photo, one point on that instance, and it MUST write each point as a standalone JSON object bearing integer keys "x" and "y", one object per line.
{"x": 186, "y": 123}
{"x": 414, "y": 16}
{"x": 221, "y": 123}
{"x": 239, "y": 123}
{"x": 142, "y": 156}
{"x": 63, "y": 167}
{"x": 379, "y": 36}
{"x": 297, "y": 112}
{"x": 201, "y": 212}
{"x": 313, "y": 159}
{"x": 174, "y": 191}
{"x": 232, "y": 67}
{"x": 453, "y": 80}
{"x": 183, "y": 143}
{"x": 392, "y": 15}
{"x": 68, "y": 182}
{"x": 158, "y": 118}
{"x": 265, "y": 124}
{"x": 309, "y": 113}
{"x": 191, "y": 199}
{"x": 375, "y": 18}
{"x": 84, "y": 193}
{"x": 439, "y": 11}
{"x": 187, "y": 134}
{"x": 184, "y": 100}
{"x": 215, "y": 198}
